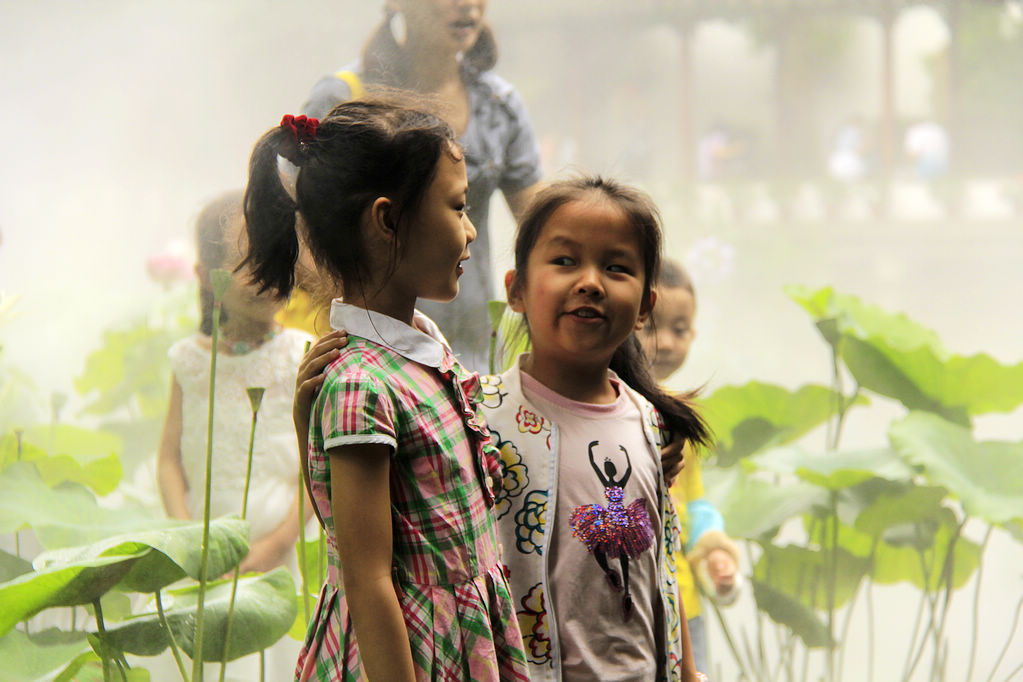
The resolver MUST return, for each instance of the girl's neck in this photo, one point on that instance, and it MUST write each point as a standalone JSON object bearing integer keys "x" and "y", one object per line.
{"x": 247, "y": 332}
{"x": 582, "y": 383}
{"x": 434, "y": 71}
{"x": 385, "y": 301}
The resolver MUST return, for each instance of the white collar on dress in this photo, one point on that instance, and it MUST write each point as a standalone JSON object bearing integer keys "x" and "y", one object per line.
{"x": 423, "y": 343}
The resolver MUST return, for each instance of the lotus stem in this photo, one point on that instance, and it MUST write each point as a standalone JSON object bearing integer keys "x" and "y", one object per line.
{"x": 1008, "y": 641}
{"x": 220, "y": 280}
{"x": 976, "y": 604}
{"x": 170, "y": 637}
{"x": 255, "y": 400}
{"x": 18, "y": 433}
{"x": 98, "y": 609}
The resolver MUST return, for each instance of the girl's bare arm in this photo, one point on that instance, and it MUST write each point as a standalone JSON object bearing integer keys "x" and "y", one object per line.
{"x": 361, "y": 502}
{"x": 170, "y": 471}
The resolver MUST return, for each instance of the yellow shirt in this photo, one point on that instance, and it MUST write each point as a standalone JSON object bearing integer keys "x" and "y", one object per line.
{"x": 301, "y": 313}
{"x": 687, "y": 486}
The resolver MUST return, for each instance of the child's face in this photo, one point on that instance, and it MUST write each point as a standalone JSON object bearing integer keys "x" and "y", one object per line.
{"x": 451, "y": 24}
{"x": 438, "y": 236}
{"x": 582, "y": 294}
{"x": 242, "y": 299}
{"x": 669, "y": 333}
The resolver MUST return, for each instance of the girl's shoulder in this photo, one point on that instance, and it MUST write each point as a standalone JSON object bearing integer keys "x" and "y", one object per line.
{"x": 362, "y": 361}
{"x": 192, "y": 346}
{"x": 290, "y": 341}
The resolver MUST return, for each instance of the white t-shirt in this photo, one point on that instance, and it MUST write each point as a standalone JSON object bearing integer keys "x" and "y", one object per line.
{"x": 602, "y": 449}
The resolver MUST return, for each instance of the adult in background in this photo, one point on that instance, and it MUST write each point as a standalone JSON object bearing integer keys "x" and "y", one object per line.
{"x": 443, "y": 49}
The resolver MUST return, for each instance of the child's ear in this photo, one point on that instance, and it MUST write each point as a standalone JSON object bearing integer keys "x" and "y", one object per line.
{"x": 381, "y": 219}
{"x": 511, "y": 290}
{"x": 645, "y": 308}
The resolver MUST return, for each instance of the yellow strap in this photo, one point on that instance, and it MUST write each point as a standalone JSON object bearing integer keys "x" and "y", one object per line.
{"x": 353, "y": 81}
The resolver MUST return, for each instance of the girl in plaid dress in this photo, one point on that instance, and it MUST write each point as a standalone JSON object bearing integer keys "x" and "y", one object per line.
{"x": 396, "y": 466}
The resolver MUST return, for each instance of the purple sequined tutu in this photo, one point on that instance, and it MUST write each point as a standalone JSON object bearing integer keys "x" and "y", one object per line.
{"x": 616, "y": 530}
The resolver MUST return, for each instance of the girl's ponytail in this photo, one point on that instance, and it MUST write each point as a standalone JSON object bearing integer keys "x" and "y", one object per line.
{"x": 270, "y": 217}
{"x": 677, "y": 411}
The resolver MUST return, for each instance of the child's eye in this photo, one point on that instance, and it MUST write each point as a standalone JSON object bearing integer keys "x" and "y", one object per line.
{"x": 562, "y": 260}
{"x": 619, "y": 268}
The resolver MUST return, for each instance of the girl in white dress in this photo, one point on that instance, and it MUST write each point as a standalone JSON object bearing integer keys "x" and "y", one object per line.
{"x": 254, "y": 351}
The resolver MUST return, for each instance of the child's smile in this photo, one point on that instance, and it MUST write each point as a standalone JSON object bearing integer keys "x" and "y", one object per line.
{"x": 583, "y": 290}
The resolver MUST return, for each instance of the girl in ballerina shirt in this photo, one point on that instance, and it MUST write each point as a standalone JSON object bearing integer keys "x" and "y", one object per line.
{"x": 588, "y": 530}
{"x": 396, "y": 462}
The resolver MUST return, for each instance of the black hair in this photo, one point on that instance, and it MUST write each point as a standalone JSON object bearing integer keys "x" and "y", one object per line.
{"x": 628, "y": 361}
{"x": 211, "y": 234}
{"x": 674, "y": 276}
{"x": 386, "y": 62}
{"x": 362, "y": 150}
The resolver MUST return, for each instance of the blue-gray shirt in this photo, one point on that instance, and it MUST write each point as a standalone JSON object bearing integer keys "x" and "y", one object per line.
{"x": 501, "y": 153}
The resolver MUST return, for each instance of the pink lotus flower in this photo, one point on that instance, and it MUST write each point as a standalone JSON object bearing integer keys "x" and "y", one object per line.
{"x": 170, "y": 266}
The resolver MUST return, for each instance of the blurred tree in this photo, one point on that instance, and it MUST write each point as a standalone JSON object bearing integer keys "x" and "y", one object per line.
{"x": 985, "y": 60}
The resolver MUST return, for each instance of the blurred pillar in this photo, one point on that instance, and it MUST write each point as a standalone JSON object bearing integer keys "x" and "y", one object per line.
{"x": 886, "y": 16}
{"x": 688, "y": 132}
{"x": 952, "y": 118}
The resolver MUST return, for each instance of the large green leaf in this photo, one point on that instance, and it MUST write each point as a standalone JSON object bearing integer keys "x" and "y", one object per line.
{"x": 754, "y": 416}
{"x": 892, "y": 508}
{"x": 804, "y": 573}
{"x": 83, "y": 444}
{"x": 987, "y": 477}
{"x": 892, "y": 355}
{"x": 42, "y": 655}
{"x": 264, "y": 610}
{"x": 512, "y": 335}
{"x": 834, "y": 470}
{"x": 176, "y": 552}
{"x": 12, "y": 566}
{"x": 754, "y": 508}
{"x": 787, "y": 611}
{"x": 11, "y": 452}
{"x": 130, "y": 369}
{"x": 906, "y": 561}
{"x": 67, "y": 454}
{"x": 63, "y": 516}
{"x": 71, "y": 585}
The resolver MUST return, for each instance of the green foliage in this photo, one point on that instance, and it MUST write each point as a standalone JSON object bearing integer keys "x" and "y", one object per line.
{"x": 61, "y": 516}
{"x": 126, "y": 381}
{"x": 896, "y": 357}
{"x": 986, "y": 477}
{"x": 27, "y": 658}
{"x": 882, "y": 515}
{"x": 264, "y": 610}
{"x": 509, "y": 338}
{"x": 749, "y": 418}
{"x": 50, "y": 477}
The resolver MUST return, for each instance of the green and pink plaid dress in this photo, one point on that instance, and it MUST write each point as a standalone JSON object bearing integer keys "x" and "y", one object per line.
{"x": 447, "y": 571}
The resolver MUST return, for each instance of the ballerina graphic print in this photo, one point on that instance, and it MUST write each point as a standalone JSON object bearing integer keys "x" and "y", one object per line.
{"x": 615, "y": 531}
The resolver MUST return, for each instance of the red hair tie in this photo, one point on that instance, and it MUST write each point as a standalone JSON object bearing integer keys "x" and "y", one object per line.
{"x": 302, "y": 129}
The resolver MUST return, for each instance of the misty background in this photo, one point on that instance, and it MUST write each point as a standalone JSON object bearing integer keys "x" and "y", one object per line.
{"x": 121, "y": 119}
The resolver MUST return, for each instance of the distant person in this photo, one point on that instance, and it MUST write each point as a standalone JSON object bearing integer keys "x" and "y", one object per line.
{"x": 718, "y": 152}
{"x": 445, "y": 50}
{"x": 848, "y": 161}
{"x": 709, "y": 553}
{"x": 926, "y": 146}
{"x": 253, "y": 352}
